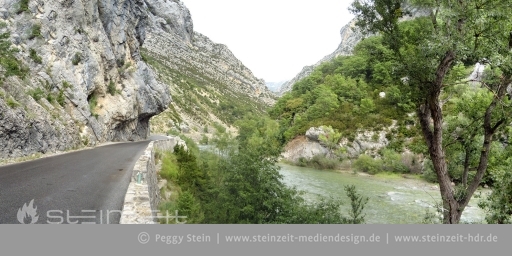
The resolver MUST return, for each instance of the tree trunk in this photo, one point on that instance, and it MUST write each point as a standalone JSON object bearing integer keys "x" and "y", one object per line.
{"x": 467, "y": 157}
{"x": 430, "y": 112}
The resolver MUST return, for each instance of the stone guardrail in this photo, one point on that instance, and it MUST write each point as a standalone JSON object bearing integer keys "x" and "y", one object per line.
{"x": 143, "y": 195}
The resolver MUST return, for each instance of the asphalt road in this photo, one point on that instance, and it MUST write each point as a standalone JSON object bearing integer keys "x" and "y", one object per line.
{"x": 81, "y": 187}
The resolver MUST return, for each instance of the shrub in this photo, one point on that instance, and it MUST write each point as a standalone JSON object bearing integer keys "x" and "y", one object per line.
{"x": 367, "y": 164}
{"x": 35, "y": 32}
{"x": 23, "y": 6}
{"x": 120, "y": 62}
{"x": 144, "y": 57}
{"x": 219, "y": 127}
{"x": 36, "y": 58}
{"x": 93, "y": 102}
{"x": 50, "y": 97}
{"x": 66, "y": 85}
{"x": 36, "y": 94}
{"x": 319, "y": 162}
{"x": 8, "y": 61}
{"x": 393, "y": 162}
{"x": 111, "y": 88}
{"x": 170, "y": 168}
{"x": 61, "y": 99}
{"x": 429, "y": 173}
{"x": 76, "y": 58}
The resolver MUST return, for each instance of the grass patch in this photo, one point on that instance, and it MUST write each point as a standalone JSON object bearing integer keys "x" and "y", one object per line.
{"x": 36, "y": 94}
{"x": 93, "y": 102}
{"x": 23, "y": 7}
{"x": 61, "y": 99}
{"x": 111, "y": 88}
{"x": 12, "y": 103}
{"x": 35, "y": 31}
{"x": 170, "y": 168}
{"x": 36, "y": 58}
{"x": 66, "y": 84}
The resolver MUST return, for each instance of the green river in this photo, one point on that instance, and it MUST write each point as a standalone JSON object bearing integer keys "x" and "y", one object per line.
{"x": 392, "y": 200}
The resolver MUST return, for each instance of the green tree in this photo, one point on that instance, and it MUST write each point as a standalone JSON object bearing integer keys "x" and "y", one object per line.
{"x": 427, "y": 50}
{"x": 190, "y": 176}
{"x": 187, "y": 205}
{"x": 326, "y": 102}
{"x": 331, "y": 138}
{"x": 499, "y": 204}
{"x": 259, "y": 133}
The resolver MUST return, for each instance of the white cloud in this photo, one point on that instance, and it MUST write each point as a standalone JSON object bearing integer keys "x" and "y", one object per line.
{"x": 274, "y": 38}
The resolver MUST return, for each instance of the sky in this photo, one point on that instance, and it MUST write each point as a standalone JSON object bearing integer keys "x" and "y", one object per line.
{"x": 275, "y": 39}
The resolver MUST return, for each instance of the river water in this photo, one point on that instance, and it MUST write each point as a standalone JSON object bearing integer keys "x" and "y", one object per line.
{"x": 392, "y": 200}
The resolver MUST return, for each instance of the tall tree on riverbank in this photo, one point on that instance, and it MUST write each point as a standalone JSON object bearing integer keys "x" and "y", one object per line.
{"x": 427, "y": 50}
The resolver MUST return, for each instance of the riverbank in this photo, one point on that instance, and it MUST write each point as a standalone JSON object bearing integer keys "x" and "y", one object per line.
{"x": 393, "y": 199}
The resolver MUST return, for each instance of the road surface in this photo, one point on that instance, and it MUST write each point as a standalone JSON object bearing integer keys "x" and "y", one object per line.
{"x": 81, "y": 187}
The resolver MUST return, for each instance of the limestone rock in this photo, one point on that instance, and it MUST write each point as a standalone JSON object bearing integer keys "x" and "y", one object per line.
{"x": 368, "y": 142}
{"x": 90, "y": 54}
{"x": 302, "y": 147}
{"x": 314, "y": 133}
{"x": 184, "y": 128}
{"x": 171, "y": 39}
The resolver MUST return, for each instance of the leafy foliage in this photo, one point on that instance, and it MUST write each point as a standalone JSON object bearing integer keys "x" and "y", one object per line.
{"x": 430, "y": 52}
{"x": 344, "y": 94}
{"x": 11, "y": 64}
{"x": 241, "y": 183}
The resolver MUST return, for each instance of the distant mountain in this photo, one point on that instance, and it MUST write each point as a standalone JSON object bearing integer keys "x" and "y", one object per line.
{"x": 275, "y": 86}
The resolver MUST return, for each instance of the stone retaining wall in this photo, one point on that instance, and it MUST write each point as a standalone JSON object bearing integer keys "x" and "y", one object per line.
{"x": 143, "y": 195}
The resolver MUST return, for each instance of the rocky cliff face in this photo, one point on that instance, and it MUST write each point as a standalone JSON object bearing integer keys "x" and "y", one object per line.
{"x": 207, "y": 82}
{"x": 83, "y": 79}
{"x": 172, "y": 38}
{"x": 349, "y": 39}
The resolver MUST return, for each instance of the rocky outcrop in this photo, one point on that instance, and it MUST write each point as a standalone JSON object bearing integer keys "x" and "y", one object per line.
{"x": 85, "y": 81}
{"x": 314, "y": 133}
{"x": 302, "y": 148}
{"x": 368, "y": 143}
{"x": 306, "y": 147}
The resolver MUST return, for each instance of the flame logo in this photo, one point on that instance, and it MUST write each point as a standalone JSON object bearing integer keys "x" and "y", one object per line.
{"x": 28, "y": 212}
